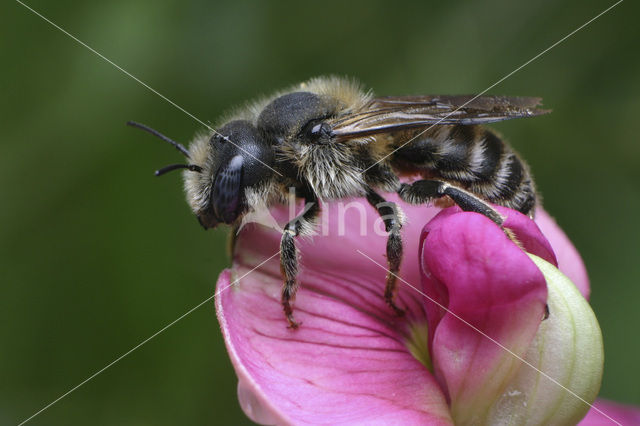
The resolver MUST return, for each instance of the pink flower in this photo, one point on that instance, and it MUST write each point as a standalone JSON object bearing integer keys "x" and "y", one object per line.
{"x": 460, "y": 359}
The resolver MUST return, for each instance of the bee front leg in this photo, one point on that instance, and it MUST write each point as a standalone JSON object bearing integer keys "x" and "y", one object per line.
{"x": 428, "y": 190}
{"x": 392, "y": 217}
{"x": 289, "y": 269}
{"x": 289, "y": 255}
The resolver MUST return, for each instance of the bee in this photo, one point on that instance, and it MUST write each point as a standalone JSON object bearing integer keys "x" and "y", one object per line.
{"x": 329, "y": 139}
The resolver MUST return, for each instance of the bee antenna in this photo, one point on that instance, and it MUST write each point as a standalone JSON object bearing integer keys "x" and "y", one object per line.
{"x": 148, "y": 129}
{"x": 172, "y": 167}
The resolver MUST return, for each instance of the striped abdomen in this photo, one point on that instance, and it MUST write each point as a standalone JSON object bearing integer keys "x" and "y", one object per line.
{"x": 472, "y": 157}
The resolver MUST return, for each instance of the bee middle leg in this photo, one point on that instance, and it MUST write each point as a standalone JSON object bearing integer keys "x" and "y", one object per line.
{"x": 428, "y": 190}
{"x": 289, "y": 255}
{"x": 392, "y": 217}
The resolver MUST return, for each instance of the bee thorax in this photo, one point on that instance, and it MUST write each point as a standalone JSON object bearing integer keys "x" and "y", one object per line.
{"x": 331, "y": 171}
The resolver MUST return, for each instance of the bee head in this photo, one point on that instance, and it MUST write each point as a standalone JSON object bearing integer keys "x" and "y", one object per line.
{"x": 238, "y": 158}
{"x": 221, "y": 167}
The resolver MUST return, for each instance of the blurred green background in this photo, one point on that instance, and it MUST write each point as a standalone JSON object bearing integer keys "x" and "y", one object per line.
{"x": 96, "y": 254}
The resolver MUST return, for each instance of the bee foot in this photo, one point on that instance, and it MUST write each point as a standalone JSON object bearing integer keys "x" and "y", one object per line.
{"x": 293, "y": 324}
{"x": 397, "y": 310}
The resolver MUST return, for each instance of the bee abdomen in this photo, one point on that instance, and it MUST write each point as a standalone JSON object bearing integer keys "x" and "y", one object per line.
{"x": 474, "y": 158}
{"x": 502, "y": 177}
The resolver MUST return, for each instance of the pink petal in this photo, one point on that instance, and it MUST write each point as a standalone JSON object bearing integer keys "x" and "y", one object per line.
{"x": 348, "y": 362}
{"x": 482, "y": 277}
{"x": 623, "y": 414}
{"x": 569, "y": 260}
{"x": 530, "y": 236}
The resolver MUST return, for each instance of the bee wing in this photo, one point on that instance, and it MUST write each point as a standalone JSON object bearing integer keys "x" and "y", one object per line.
{"x": 393, "y": 113}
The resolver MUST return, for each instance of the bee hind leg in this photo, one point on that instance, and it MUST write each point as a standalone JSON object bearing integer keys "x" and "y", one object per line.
{"x": 392, "y": 217}
{"x": 289, "y": 256}
{"x": 429, "y": 190}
